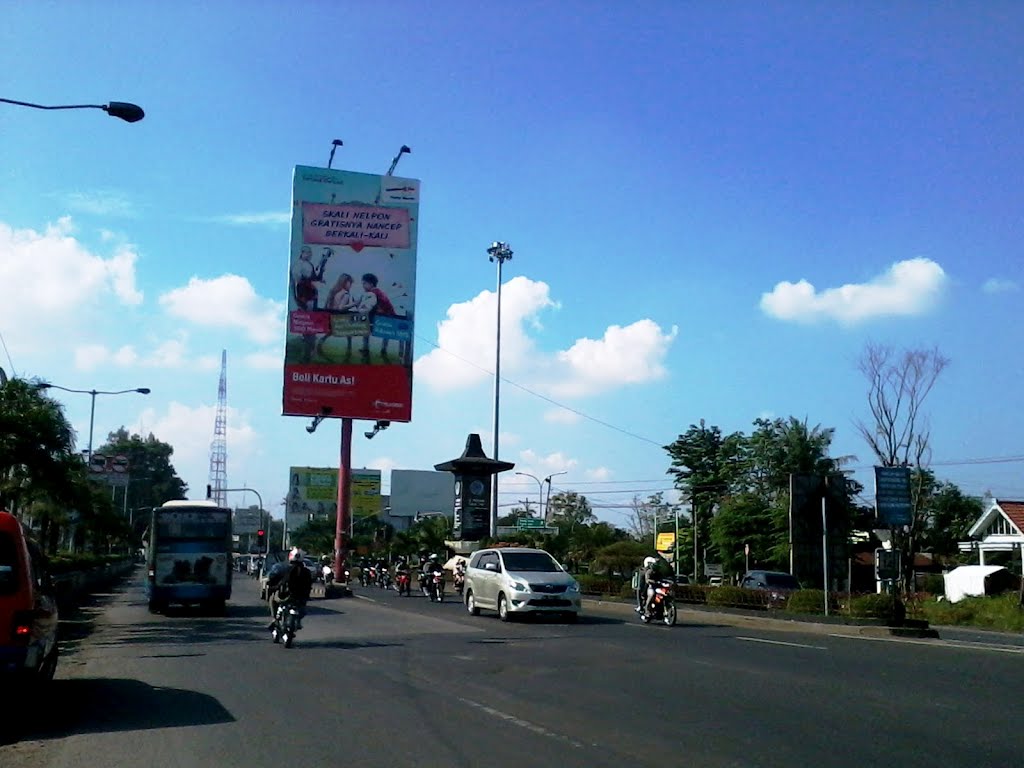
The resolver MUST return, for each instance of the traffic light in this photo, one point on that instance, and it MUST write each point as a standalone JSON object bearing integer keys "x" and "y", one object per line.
{"x": 261, "y": 537}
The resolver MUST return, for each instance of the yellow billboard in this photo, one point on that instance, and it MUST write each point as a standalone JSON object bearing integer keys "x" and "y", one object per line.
{"x": 666, "y": 542}
{"x": 365, "y": 493}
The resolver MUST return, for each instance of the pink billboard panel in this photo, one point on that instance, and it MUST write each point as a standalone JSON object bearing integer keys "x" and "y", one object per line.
{"x": 355, "y": 225}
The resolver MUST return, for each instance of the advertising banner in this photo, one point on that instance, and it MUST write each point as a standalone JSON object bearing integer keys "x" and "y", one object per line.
{"x": 893, "y": 504}
{"x": 312, "y": 495}
{"x": 365, "y": 492}
{"x": 351, "y": 290}
{"x": 666, "y": 542}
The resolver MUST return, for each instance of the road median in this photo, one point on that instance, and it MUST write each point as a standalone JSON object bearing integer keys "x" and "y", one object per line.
{"x": 815, "y": 625}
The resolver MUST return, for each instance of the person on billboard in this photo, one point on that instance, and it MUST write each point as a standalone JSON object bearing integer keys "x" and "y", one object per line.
{"x": 305, "y": 291}
{"x": 374, "y": 302}
{"x": 339, "y": 299}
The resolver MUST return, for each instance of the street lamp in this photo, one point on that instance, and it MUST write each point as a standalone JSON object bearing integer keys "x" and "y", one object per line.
{"x": 540, "y": 491}
{"x": 547, "y": 502}
{"x": 92, "y": 407}
{"x": 500, "y": 253}
{"x": 130, "y": 113}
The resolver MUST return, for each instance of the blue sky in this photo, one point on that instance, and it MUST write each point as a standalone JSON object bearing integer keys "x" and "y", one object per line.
{"x": 683, "y": 185}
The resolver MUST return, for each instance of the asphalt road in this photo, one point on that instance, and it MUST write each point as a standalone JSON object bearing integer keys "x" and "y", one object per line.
{"x": 379, "y": 680}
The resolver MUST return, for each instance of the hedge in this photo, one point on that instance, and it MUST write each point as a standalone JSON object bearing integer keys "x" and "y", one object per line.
{"x": 737, "y": 597}
{"x": 68, "y": 562}
{"x": 810, "y": 601}
{"x": 886, "y": 607}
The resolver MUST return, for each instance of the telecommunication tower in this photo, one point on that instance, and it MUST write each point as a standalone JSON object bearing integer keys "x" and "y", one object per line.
{"x": 219, "y": 445}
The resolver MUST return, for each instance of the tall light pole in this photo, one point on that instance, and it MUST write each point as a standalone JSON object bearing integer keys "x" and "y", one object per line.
{"x": 500, "y": 253}
{"x": 92, "y": 406}
{"x": 130, "y": 113}
{"x": 547, "y": 503}
{"x": 540, "y": 491}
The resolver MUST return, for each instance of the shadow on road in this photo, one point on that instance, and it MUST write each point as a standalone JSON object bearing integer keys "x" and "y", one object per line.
{"x": 350, "y": 645}
{"x": 104, "y": 705}
{"x": 79, "y": 621}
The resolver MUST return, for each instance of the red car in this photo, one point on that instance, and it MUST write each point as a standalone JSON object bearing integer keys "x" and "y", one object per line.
{"x": 28, "y": 608}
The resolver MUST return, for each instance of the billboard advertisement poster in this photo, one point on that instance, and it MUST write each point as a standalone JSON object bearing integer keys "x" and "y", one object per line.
{"x": 365, "y": 492}
{"x": 312, "y": 494}
{"x": 666, "y": 542}
{"x": 893, "y": 504}
{"x": 351, "y": 291}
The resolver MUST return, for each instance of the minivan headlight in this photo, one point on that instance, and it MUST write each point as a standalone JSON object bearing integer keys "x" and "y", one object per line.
{"x": 519, "y": 586}
{"x": 574, "y": 587}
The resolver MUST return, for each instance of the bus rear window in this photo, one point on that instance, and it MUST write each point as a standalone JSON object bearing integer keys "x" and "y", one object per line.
{"x": 8, "y": 565}
{"x": 187, "y": 529}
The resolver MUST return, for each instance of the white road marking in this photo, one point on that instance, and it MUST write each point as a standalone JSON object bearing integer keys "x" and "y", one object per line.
{"x": 780, "y": 642}
{"x": 961, "y": 645}
{"x": 364, "y": 597}
{"x": 538, "y": 729}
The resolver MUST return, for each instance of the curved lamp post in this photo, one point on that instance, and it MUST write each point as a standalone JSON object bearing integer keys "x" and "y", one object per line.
{"x": 540, "y": 492}
{"x": 547, "y": 502}
{"x": 92, "y": 407}
{"x": 130, "y": 113}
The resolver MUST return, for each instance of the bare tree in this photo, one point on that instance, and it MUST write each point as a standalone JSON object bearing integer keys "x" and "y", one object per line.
{"x": 899, "y": 382}
{"x": 641, "y": 519}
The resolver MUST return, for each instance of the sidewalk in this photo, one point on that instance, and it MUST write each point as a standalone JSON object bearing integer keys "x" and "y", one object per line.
{"x": 817, "y": 625}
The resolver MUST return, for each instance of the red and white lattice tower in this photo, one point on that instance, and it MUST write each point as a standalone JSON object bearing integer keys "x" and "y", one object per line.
{"x": 219, "y": 446}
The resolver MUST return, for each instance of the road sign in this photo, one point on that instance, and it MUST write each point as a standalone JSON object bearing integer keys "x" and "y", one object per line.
{"x": 892, "y": 496}
{"x": 746, "y": 550}
{"x": 666, "y": 542}
{"x": 528, "y": 523}
{"x": 713, "y": 569}
{"x": 887, "y": 564}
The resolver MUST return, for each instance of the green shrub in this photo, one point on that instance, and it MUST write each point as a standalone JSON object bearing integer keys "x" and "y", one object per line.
{"x": 934, "y": 584}
{"x": 68, "y": 562}
{"x": 594, "y": 584}
{"x": 999, "y": 613}
{"x": 626, "y": 592}
{"x": 737, "y": 597}
{"x": 888, "y": 608}
{"x": 810, "y": 601}
{"x": 692, "y": 593}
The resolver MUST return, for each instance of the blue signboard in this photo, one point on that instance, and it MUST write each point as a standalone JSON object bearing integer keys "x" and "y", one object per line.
{"x": 892, "y": 496}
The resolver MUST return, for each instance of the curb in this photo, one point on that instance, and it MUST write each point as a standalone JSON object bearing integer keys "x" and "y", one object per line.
{"x": 778, "y": 625}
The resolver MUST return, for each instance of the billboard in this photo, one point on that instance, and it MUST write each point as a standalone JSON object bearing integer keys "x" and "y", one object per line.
{"x": 893, "y": 503}
{"x": 351, "y": 290}
{"x": 806, "y": 492}
{"x": 421, "y": 491}
{"x": 365, "y": 492}
{"x": 312, "y": 495}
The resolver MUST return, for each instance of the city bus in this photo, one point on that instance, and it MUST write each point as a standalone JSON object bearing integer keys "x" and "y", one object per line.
{"x": 188, "y": 557}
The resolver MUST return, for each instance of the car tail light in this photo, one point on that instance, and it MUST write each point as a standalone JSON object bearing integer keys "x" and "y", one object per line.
{"x": 21, "y": 626}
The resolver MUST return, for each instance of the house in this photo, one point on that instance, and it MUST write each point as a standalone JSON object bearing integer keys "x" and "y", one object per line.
{"x": 999, "y": 529}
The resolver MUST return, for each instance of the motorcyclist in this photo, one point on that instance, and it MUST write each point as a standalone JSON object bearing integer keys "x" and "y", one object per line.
{"x": 291, "y": 585}
{"x": 645, "y": 585}
{"x": 460, "y": 571}
{"x": 429, "y": 568}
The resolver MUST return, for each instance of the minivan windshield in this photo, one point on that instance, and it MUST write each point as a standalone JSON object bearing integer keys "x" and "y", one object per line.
{"x": 538, "y": 562}
{"x": 781, "y": 580}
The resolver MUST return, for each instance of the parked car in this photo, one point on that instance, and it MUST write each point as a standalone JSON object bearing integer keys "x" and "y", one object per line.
{"x": 519, "y": 580}
{"x": 779, "y": 585}
{"x": 28, "y": 607}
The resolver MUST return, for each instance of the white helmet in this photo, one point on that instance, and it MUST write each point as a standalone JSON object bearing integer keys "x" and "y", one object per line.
{"x": 649, "y": 561}
{"x": 296, "y": 555}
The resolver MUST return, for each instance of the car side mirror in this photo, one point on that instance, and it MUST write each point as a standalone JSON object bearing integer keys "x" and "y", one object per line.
{"x": 491, "y": 567}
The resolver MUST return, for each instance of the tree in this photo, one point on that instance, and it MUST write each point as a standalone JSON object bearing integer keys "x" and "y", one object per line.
{"x": 517, "y": 514}
{"x": 947, "y": 516}
{"x": 898, "y": 384}
{"x": 647, "y": 516}
{"x": 37, "y": 446}
{"x": 706, "y": 467}
{"x": 316, "y": 536}
{"x": 748, "y": 519}
{"x": 571, "y": 507}
{"x": 621, "y": 557}
{"x": 152, "y": 477}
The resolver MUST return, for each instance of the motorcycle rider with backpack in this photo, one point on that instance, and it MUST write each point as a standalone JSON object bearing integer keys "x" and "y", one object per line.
{"x": 292, "y": 586}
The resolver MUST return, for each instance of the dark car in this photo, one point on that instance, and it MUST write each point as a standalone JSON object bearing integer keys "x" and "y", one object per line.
{"x": 779, "y": 585}
{"x": 28, "y": 607}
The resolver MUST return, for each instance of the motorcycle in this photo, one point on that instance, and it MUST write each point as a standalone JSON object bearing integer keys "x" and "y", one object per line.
{"x": 286, "y": 624}
{"x": 327, "y": 574}
{"x": 384, "y": 579}
{"x": 364, "y": 576}
{"x": 403, "y": 583}
{"x": 435, "y": 586}
{"x": 662, "y": 606}
{"x": 460, "y": 581}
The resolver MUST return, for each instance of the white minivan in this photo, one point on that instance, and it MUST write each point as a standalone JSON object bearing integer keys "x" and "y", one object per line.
{"x": 518, "y": 580}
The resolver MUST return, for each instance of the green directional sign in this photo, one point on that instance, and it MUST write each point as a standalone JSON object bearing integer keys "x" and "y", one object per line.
{"x": 526, "y": 523}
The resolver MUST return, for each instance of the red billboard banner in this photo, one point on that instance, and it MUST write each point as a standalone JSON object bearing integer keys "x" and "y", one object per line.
{"x": 351, "y": 291}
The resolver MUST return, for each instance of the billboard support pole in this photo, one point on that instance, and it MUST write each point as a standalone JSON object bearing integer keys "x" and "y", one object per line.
{"x": 824, "y": 543}
{"x": 344, "y": 497}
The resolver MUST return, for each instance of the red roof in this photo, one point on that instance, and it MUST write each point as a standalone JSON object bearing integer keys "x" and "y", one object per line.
{"x": 1015, "y": 511}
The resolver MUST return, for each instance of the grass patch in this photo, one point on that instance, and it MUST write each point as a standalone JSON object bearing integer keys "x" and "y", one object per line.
{"x": 1000, "y": 613}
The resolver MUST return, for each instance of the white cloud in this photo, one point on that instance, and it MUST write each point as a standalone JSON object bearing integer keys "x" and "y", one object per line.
{"x": 561, "y": 416}
{"x": 910, "y": 287}
{"x": 999, "y": 285}
{"x": 265, "y": 360}
{"x": 599, "y": 474}
{"x": 385, "y": 464}
{"x": 228, "y": 301}
{"x": 189, "y": 429}
{"x": 625, "y": 355}
{"x": 171, "y": 353}
{"x": 271, "y": 218}
{"x": 100, "y": 202}
{"x": 546, "y": 465}
{"x": 467, "y": 336}
{"x": 50, "y": 281}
